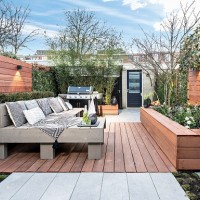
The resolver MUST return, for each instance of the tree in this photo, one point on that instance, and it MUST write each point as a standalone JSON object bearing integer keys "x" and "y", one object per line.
{"x": 12, "y": 24}
{"x": 83, "y": 52}
{"x": 190, "y": 51}
{"x": 161, "y": 50}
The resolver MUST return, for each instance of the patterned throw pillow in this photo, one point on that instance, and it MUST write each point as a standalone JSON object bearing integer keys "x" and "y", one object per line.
{"x": 16, "y": 113}
{"x": 55, "y": 105}
{"x": 34, "y": 115}
{"x": 62, "y": 103}
{"x": 22, "y": 104}
{"x": 31, "y": 104}
{"x": 44, "y": 105}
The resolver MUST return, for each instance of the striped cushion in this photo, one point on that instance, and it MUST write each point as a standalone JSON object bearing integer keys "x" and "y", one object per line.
{"x": 55, "y": 105}
{"x": 44, "y": 105}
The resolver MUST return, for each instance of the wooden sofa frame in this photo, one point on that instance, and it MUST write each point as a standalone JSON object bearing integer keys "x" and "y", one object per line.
{"x": 9, "y": 134}
{"x": 180, "y": 145}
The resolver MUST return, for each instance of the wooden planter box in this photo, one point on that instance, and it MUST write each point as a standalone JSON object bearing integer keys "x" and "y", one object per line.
{"x": 108, "y": 109}
{"x": 180, "y": 145}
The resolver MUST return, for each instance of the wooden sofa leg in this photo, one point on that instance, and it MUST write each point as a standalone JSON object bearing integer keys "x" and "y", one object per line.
{"x": 3, "y": 151}
{"x": 46, "y": 151}
{"x": 94, "y": 151}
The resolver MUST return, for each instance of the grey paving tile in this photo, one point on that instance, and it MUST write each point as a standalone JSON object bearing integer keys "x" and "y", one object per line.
{"x": 114, "y": 187}
{"x": 141, "y": 187}
{"x": 12, "y": 184}
{"x": 61, "y": 187}
{"x": 34, "y": 187}
{"x": 167, "y": 187}
{"x": 88, "y": 187}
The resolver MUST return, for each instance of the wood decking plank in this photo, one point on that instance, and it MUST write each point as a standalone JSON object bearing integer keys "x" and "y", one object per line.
{"x": 10, "y": 162}
{"x": 59, "y": 163}
{"x": 150, "y": 165}
{"x": 109, "y": 161}
{"x": 154, "y": 154}
{"x": 28, "y": 163}
{"x": 119, "y": 157}
{"x": 128, "y": 157}
{"x": 36, "y": 165}
{"x": 88, "y": 165}
{"x": 162, "y": 155}
{"x": 138, "y": 160}
{"x": 78, "y": 165}
{"x": 23, "y": 159}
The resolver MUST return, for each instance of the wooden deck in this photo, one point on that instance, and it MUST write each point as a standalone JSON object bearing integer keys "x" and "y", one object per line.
{"x": 127, "y": 148}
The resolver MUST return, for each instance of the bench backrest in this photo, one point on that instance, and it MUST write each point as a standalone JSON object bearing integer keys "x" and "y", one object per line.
{"x": 4, "y": 116}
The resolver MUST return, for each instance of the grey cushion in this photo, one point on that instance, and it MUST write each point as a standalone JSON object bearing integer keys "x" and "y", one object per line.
{"x": 16, "y": 113}
{"x": 22, "y": 104}
{"x": 31, "y": 104}
{"x": 44, "y": 105}
{"x": 55, "y": 105}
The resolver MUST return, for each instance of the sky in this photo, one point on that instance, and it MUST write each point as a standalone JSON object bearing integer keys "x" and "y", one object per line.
{"x": 126, "y": 16}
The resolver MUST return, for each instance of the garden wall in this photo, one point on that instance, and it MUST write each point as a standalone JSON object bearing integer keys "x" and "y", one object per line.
{"x": 13, "y": 80}
{"x": 194, "y": 87}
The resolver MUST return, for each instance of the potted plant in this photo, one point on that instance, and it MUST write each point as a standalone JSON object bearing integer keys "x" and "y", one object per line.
{"x": 147, "y": 100}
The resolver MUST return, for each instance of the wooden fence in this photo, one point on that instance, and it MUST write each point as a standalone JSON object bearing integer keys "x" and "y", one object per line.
{"x": 13, "y": 80}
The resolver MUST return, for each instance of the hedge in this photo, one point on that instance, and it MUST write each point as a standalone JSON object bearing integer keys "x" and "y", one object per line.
{"x": 24, "y": 96}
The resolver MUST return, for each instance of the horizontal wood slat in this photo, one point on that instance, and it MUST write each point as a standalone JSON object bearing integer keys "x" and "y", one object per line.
{"x": 183, "y": 150}
{"x": 194, "y": 87}
{"x": 13, "y": 80}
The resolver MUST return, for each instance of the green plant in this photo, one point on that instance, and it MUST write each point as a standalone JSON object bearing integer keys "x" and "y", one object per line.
{"x": 190, "y": 51}
{"x": 187, "y": 115}
{"x": 86, "y": 119}
{"x": 24, "y": 96}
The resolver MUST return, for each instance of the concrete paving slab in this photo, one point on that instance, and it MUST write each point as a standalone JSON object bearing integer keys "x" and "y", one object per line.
{"x": 114, "y": 185}
{"x": 167, "y": 187}
{"x": 141, "y": 187}
{"x": 12, "y": 184}
{"x": 35, "y": 187}
{"x": 61, "y": 187}
{"x": 88, "y": 187}
{"x": 125, "y": 115}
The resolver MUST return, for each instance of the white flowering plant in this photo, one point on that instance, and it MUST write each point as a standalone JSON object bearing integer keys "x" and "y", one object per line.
{"x": 187, "y": 115}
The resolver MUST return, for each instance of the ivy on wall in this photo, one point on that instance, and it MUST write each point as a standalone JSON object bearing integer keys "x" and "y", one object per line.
{"x": 44, "y": 80}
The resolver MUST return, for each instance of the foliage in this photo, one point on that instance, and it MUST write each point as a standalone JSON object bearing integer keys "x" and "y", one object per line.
{"x": 187, "y": 115}
{"x": 12, "y": 23}
{"x": 160, "y": 50}
{"x": 44, "y": 81}
{"x": 178, "y": 84}
{"x": 190, "y": 51}
{"x": 89, "y": 56}
{"x": 24, "y": 96}
{"x": 110, "y": 83}
{"x": 190, "y": 183}
{"x": 3, "y": 176}
{"x": 10, "y": 55}
{"x": 86, "y": 119}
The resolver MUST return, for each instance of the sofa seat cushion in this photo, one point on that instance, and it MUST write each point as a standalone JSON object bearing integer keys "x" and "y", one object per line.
{"x": 31, "y": 104}
{"x": 16, "y": 113}
{"x": 55, "y": 105}
{"x": 44, "y": 105}
{"x": 34, "y": 115}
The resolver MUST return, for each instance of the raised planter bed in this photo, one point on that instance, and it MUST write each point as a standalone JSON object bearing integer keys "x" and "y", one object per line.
{"x": 108, "y": 109}
{"x": 180, "y": 145}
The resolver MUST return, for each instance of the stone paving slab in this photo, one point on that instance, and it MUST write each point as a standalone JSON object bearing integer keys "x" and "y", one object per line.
{"x": 91, "y": 186}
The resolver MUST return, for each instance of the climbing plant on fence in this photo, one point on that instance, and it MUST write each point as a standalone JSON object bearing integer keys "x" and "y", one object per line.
{"x": 44, "y": 79}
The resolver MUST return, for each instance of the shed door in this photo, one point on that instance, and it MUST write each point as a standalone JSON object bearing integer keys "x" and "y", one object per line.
{"x": 134, "y": 88}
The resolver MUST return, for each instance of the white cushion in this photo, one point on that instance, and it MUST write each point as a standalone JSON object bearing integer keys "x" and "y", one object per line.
{"x": 34, "y": 115}
{"x": 69, "y": 105}
{"x": 62, "y": 103}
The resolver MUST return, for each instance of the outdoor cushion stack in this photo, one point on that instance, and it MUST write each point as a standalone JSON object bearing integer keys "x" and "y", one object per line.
{"x": 32, "y": 111}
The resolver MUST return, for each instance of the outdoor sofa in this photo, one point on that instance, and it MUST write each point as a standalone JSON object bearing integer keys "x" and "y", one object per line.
{"x": 11, "y": 132}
